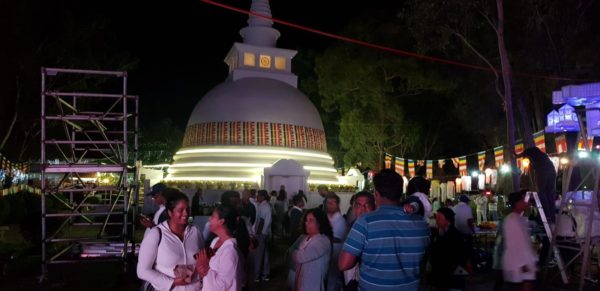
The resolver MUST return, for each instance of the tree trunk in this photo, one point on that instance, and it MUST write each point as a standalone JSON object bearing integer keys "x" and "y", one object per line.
{"x": 527, "y": 132}
{"x": 510, "y": 121}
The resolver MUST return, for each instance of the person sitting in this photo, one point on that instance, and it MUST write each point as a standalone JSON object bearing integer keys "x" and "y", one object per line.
{"x": 221, "y": 266}
{"x": 170, "y": 245}
{"x": 311, "y": 252}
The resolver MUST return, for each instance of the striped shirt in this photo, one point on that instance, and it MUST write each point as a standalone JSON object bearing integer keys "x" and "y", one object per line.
{"x": 390, "y": 244}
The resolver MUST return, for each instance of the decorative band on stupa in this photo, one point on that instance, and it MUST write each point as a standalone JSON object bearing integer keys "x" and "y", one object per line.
{"x": 255, "y": 133}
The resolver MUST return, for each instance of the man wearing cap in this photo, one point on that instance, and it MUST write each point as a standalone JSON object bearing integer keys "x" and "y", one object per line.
{"x": 464, "y": 216}
{"x": 156, "y": 192}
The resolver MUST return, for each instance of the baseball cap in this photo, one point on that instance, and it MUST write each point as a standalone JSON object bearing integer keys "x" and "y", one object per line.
{"x": 464, "y": 198}
{"x": 157, "y": 188}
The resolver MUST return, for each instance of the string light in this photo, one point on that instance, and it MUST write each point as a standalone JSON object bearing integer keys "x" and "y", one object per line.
{"x": 389, "y": 49}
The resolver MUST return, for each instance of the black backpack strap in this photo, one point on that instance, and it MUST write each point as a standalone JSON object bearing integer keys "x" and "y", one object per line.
{"x": 159, "y": 236}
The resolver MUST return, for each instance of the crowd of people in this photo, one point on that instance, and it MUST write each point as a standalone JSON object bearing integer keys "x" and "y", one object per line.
{"x": 387, "y": 240}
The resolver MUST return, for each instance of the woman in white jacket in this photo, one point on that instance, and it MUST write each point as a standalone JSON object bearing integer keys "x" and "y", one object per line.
{"x": 312, "y": 251}
{"x": 221, "y": 265}
{"x": 170, "y": 244}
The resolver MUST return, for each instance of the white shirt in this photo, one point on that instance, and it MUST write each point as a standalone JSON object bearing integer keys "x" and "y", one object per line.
{"x": 426, "y": 204}
{"x": 518, "y": 249}
{"x": 224, "y": 268}
{"x": 338, "y": 224}
{"x": 156, "y": 262}
{"x": 481, "y": 202}
{"x": 263, "y": 210}
{"x": 462, "y": 214}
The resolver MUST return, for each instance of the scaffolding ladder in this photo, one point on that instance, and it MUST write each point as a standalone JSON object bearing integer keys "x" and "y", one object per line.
{"x": 89, "y": 128}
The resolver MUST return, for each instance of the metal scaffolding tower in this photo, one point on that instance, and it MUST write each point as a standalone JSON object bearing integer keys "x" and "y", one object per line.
{"x": 581, "y": 244}
{"x": 89, "y": 146}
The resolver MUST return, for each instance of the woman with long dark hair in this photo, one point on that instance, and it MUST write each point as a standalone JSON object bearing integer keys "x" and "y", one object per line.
{"x": 221, "y": 265}
{"x": 311, "y": 252}
{"x": 166, "y": 258}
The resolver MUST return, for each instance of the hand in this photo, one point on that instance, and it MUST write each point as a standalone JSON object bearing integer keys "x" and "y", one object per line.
{"x": 179, "y": 282}
{"x": 147, "y": 223}
{"x": 202, "y": 263}
{"x": 409, "y": 209}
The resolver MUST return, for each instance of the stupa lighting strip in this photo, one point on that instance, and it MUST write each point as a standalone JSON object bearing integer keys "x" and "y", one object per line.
{"x": 156, "y": 166}
{"x": 232, "y": 165}
{"x": 313, "y": 168}
{"x": 254, "y": 151}
{"x": 325, "y": 182}
{"x": 231, "y": 179}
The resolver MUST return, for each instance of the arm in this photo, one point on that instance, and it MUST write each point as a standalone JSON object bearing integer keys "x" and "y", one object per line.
{"x": 318, "y": 248}
{"x": 146, "y": 260}
{"x": 346, "y": 261}
{"x": 261, "y": 224}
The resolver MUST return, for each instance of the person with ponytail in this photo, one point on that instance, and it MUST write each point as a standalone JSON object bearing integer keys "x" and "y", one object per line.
{"x": 221, "y": 265}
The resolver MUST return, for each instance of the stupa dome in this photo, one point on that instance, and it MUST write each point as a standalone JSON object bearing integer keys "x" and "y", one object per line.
{"x": 256, "y": 125}
{"x": 256, "y": 99}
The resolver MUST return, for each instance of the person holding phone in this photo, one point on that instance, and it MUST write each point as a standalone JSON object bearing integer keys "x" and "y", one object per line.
{"x": 158, "y": 197}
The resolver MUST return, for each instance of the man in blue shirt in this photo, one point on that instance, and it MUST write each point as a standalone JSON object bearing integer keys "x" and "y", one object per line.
{"x": 389, "y": 242}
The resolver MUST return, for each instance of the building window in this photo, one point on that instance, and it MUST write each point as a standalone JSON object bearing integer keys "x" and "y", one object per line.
{"x": 265, "y": 61}
{"x": 249, "y": 59}
{"x": 280, "y": 63}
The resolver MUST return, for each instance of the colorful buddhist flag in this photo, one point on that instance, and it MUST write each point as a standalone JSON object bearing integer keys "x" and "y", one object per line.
{"x": 561, "y": 143}
{"x": 540, "y": 140}
{"x": 499, "y": 156}
{"x": 411, "y": 168}
{"x": 481, "y": 160}
{"x": 441, "y": 163}
{"x": 429, "y": 172}
{"x": 519, "y": 147}
{"x": 462, "y": 165}
{"x": 455, "y": 162}
{"x": 580, "y": 145}
{"x": 399, "y": 166}
{"x": 388, "y": 161}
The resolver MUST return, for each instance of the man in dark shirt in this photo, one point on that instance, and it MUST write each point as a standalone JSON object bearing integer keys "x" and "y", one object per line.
{"x": 248, "y": 209}
{"x": 295, "y": 217}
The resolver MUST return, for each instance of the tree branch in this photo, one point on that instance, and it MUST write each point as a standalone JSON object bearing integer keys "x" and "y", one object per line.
{"x": 485, "y": 60}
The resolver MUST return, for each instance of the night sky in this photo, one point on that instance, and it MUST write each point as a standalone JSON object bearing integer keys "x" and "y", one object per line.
{"x": 181, "y": 44}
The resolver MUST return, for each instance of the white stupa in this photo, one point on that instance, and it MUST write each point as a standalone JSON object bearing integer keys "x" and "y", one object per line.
{"x": 256, "y": 124}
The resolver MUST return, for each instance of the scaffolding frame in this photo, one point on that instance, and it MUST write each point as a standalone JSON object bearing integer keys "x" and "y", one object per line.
{"x": 583, "y": 246}
{"x": 91, "y": 133}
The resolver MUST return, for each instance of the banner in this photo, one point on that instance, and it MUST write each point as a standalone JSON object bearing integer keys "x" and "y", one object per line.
{"x": 580, "y": 145}
{"x": 399, "y": 166}
{"x": 411, "y": 168}
{"x": 540, "y": 140}
{"x": 462, "y": 166}
{"x": 429, "y": 172}
{"x": 441, "y": 163}
{"x": 388, "y": 161}
{"x": 481, "y": 160}
{"x": 455, "y": 162}
{"x": 561, "y": 143}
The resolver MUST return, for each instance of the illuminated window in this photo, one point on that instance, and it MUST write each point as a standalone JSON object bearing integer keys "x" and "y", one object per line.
{"x": 265, "y": 61}
{"x": 249, "y": 59}
{"x": 280, "y": 63}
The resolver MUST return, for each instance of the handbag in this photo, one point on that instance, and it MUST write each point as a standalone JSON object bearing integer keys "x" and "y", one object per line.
{"x": 147, "y": 286}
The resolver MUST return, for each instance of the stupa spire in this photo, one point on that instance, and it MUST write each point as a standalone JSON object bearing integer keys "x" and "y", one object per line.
{"x": 260, "y": 31}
